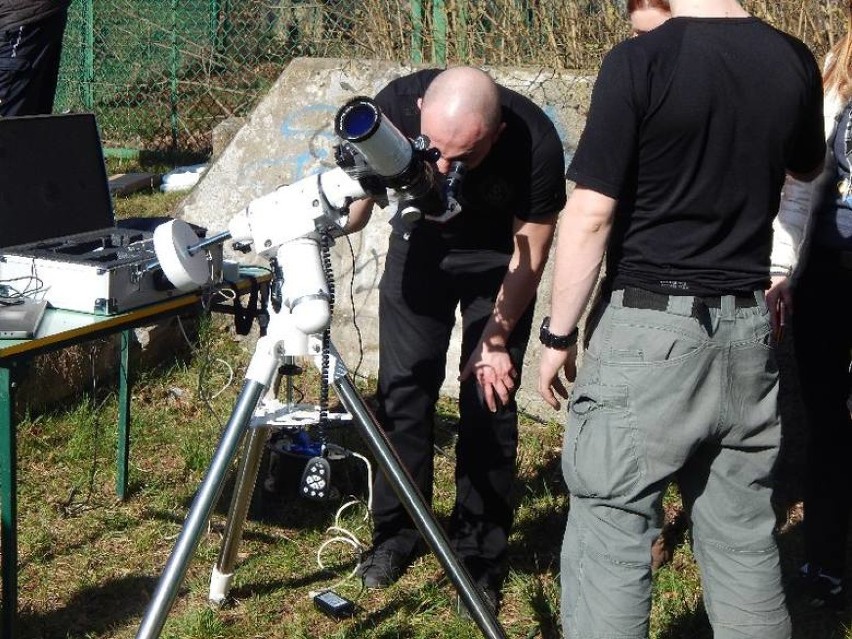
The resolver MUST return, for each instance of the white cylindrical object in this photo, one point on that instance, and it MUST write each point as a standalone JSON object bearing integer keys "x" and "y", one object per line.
{"x": 172, "y": 241}
{"x": 339, "y": 188}
{"x": 220, "y": 586}
{"x": 305, "y": 288}
{"x": 387, "y": 153}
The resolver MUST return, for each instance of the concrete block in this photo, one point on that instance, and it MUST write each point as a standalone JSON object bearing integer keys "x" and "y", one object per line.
{"x": 291, "y": 135}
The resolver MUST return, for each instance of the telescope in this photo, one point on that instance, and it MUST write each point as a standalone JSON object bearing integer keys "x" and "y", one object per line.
{"x": 293, "y": 227}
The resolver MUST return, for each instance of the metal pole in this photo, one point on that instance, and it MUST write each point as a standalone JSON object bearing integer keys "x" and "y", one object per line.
{"x": 8, "y": 503}
{"x": 416, "y": 506}
{"x": 416, "y": 31}
{"x": 439, "y": 32}
{"x": 173, "y": 83}
{"x": 200, "y": 511}
{"x": 220, "y": 580}
{"x": 88, "y": 55}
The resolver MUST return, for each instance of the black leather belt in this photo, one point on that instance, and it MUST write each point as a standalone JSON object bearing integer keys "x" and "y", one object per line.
{"x": 640, "y": 298}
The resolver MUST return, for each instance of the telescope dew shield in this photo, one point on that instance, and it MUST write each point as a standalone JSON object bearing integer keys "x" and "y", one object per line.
{"x": 385, "y": 148}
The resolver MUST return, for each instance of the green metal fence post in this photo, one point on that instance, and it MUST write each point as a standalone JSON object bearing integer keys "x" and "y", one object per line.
{"x": 214, "y": 24}
{"x": 439, "y": 32}
{"x": 88, "y": 71}
{"x": 8, "y": 504}
{"x": 460, "y": 32}
{"x": 173, "y": 84}
{"x": 416, "y": 31}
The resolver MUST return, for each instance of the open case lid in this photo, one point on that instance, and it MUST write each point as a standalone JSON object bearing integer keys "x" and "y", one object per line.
{"x": 53, "y": 179}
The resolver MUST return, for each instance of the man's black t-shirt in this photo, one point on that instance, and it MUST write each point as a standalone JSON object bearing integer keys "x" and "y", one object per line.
{"x": 691, "y": 128}
{"x": 523, "y": 176}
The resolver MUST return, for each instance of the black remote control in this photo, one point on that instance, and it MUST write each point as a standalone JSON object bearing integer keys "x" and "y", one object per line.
{"x": 316, "y": 479}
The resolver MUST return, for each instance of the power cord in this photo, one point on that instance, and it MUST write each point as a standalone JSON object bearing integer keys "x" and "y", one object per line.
{"x": 342, "y": 534}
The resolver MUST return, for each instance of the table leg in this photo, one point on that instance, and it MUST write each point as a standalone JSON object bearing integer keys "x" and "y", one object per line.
{"x": 8, "y": 505}
{"x": 123, "y": 454}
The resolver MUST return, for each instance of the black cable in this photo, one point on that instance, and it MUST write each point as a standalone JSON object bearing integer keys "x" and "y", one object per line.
{"x": 328, "y": 272}
{"x": 354, "y": 317}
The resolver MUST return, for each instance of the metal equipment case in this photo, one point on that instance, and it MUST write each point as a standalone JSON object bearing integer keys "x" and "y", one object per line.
{"x": 58, "y": 236}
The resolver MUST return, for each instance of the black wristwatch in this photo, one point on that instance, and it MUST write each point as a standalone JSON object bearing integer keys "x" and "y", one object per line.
{"x": 559, "y": 342}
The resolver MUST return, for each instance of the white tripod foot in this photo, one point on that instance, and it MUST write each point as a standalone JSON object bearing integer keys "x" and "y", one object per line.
{"x": 220, "y": 585}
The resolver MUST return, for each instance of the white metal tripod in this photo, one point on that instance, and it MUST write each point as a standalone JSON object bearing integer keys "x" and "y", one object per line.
{"x": 294, "y": 331}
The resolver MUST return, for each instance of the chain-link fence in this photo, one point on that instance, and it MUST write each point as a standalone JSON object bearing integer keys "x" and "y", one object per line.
{"x": 160, "y": 74}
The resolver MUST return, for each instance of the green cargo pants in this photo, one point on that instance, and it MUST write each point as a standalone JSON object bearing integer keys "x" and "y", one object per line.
{"x": 689, "y": 389}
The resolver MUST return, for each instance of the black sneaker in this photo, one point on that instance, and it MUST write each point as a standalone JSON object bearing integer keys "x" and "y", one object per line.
{"x": 381, "y": 566}
{"x": 820, "y": 590}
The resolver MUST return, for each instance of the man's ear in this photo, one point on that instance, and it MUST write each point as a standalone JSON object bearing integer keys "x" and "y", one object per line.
{"x": 419, "y": 104}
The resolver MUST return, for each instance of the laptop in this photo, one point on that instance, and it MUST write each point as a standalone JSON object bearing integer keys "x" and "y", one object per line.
{"x": 53, "y": 180}
{"x": 20, "y": 317}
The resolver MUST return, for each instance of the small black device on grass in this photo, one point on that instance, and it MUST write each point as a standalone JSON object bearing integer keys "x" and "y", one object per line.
{"x": 334, "y": 605}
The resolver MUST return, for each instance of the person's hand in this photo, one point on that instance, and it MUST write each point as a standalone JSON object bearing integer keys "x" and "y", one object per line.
{"x": 494, "y": 372}
{"x": 549, "y": 384}
{"x": 779, "y": 301}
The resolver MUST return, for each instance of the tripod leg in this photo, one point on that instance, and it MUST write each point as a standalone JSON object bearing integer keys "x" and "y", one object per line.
{"x": 223, "y": 571}
{"x": 200, "y": 511}
{"x": 416, "y": 506}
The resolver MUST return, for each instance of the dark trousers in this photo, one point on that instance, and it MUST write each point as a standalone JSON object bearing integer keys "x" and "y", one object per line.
{"x": 422, "y": 285}
{"x": 822, "y": 324}
{"x": 29, "y": 65}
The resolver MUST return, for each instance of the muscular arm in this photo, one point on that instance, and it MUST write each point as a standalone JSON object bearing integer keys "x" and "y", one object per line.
{"x": 583, "y": 235}
{"x": 490, "y": 360}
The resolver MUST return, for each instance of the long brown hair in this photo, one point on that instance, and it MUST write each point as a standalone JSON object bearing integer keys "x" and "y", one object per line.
{"x": 838, "y": 69}
{"x": 633, "y": 5}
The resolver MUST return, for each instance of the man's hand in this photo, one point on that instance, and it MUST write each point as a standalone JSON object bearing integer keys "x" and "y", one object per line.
{"x": 548, "y": 373}
{"x": 494, "y": 372}
{"x": 779, "y": 301}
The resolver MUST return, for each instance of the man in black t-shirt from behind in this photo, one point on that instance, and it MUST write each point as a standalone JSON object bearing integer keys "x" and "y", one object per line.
{"x": 678, "y": 175}
{"x": 485, "y": 261}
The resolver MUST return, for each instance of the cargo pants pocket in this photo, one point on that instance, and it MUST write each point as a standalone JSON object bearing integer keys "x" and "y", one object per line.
{"x": 600, "y": 457}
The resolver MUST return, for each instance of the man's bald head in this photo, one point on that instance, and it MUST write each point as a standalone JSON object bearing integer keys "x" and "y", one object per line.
{"x": 461, "y": 114}
{"x": 467, "y": 92}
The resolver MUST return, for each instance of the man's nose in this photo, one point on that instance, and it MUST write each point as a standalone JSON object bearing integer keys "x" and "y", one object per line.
{"x": 443, "y": 165}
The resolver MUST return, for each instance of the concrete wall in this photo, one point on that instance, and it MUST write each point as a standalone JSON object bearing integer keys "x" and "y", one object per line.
{"x": 290, "y": 135}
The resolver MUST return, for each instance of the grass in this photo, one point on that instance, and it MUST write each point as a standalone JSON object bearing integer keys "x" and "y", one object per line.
{"x": 89, "y": 563}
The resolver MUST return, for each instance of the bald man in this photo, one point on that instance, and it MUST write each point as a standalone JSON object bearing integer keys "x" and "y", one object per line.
{"x": 487, "y": 261}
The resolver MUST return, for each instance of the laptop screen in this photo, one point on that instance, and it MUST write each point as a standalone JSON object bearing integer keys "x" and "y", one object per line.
{"x": 53, "y": 180}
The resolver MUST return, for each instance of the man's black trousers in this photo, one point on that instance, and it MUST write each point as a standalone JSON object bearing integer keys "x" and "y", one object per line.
{"x": 422, "y": 285}
{"x": 29, "y": 65}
